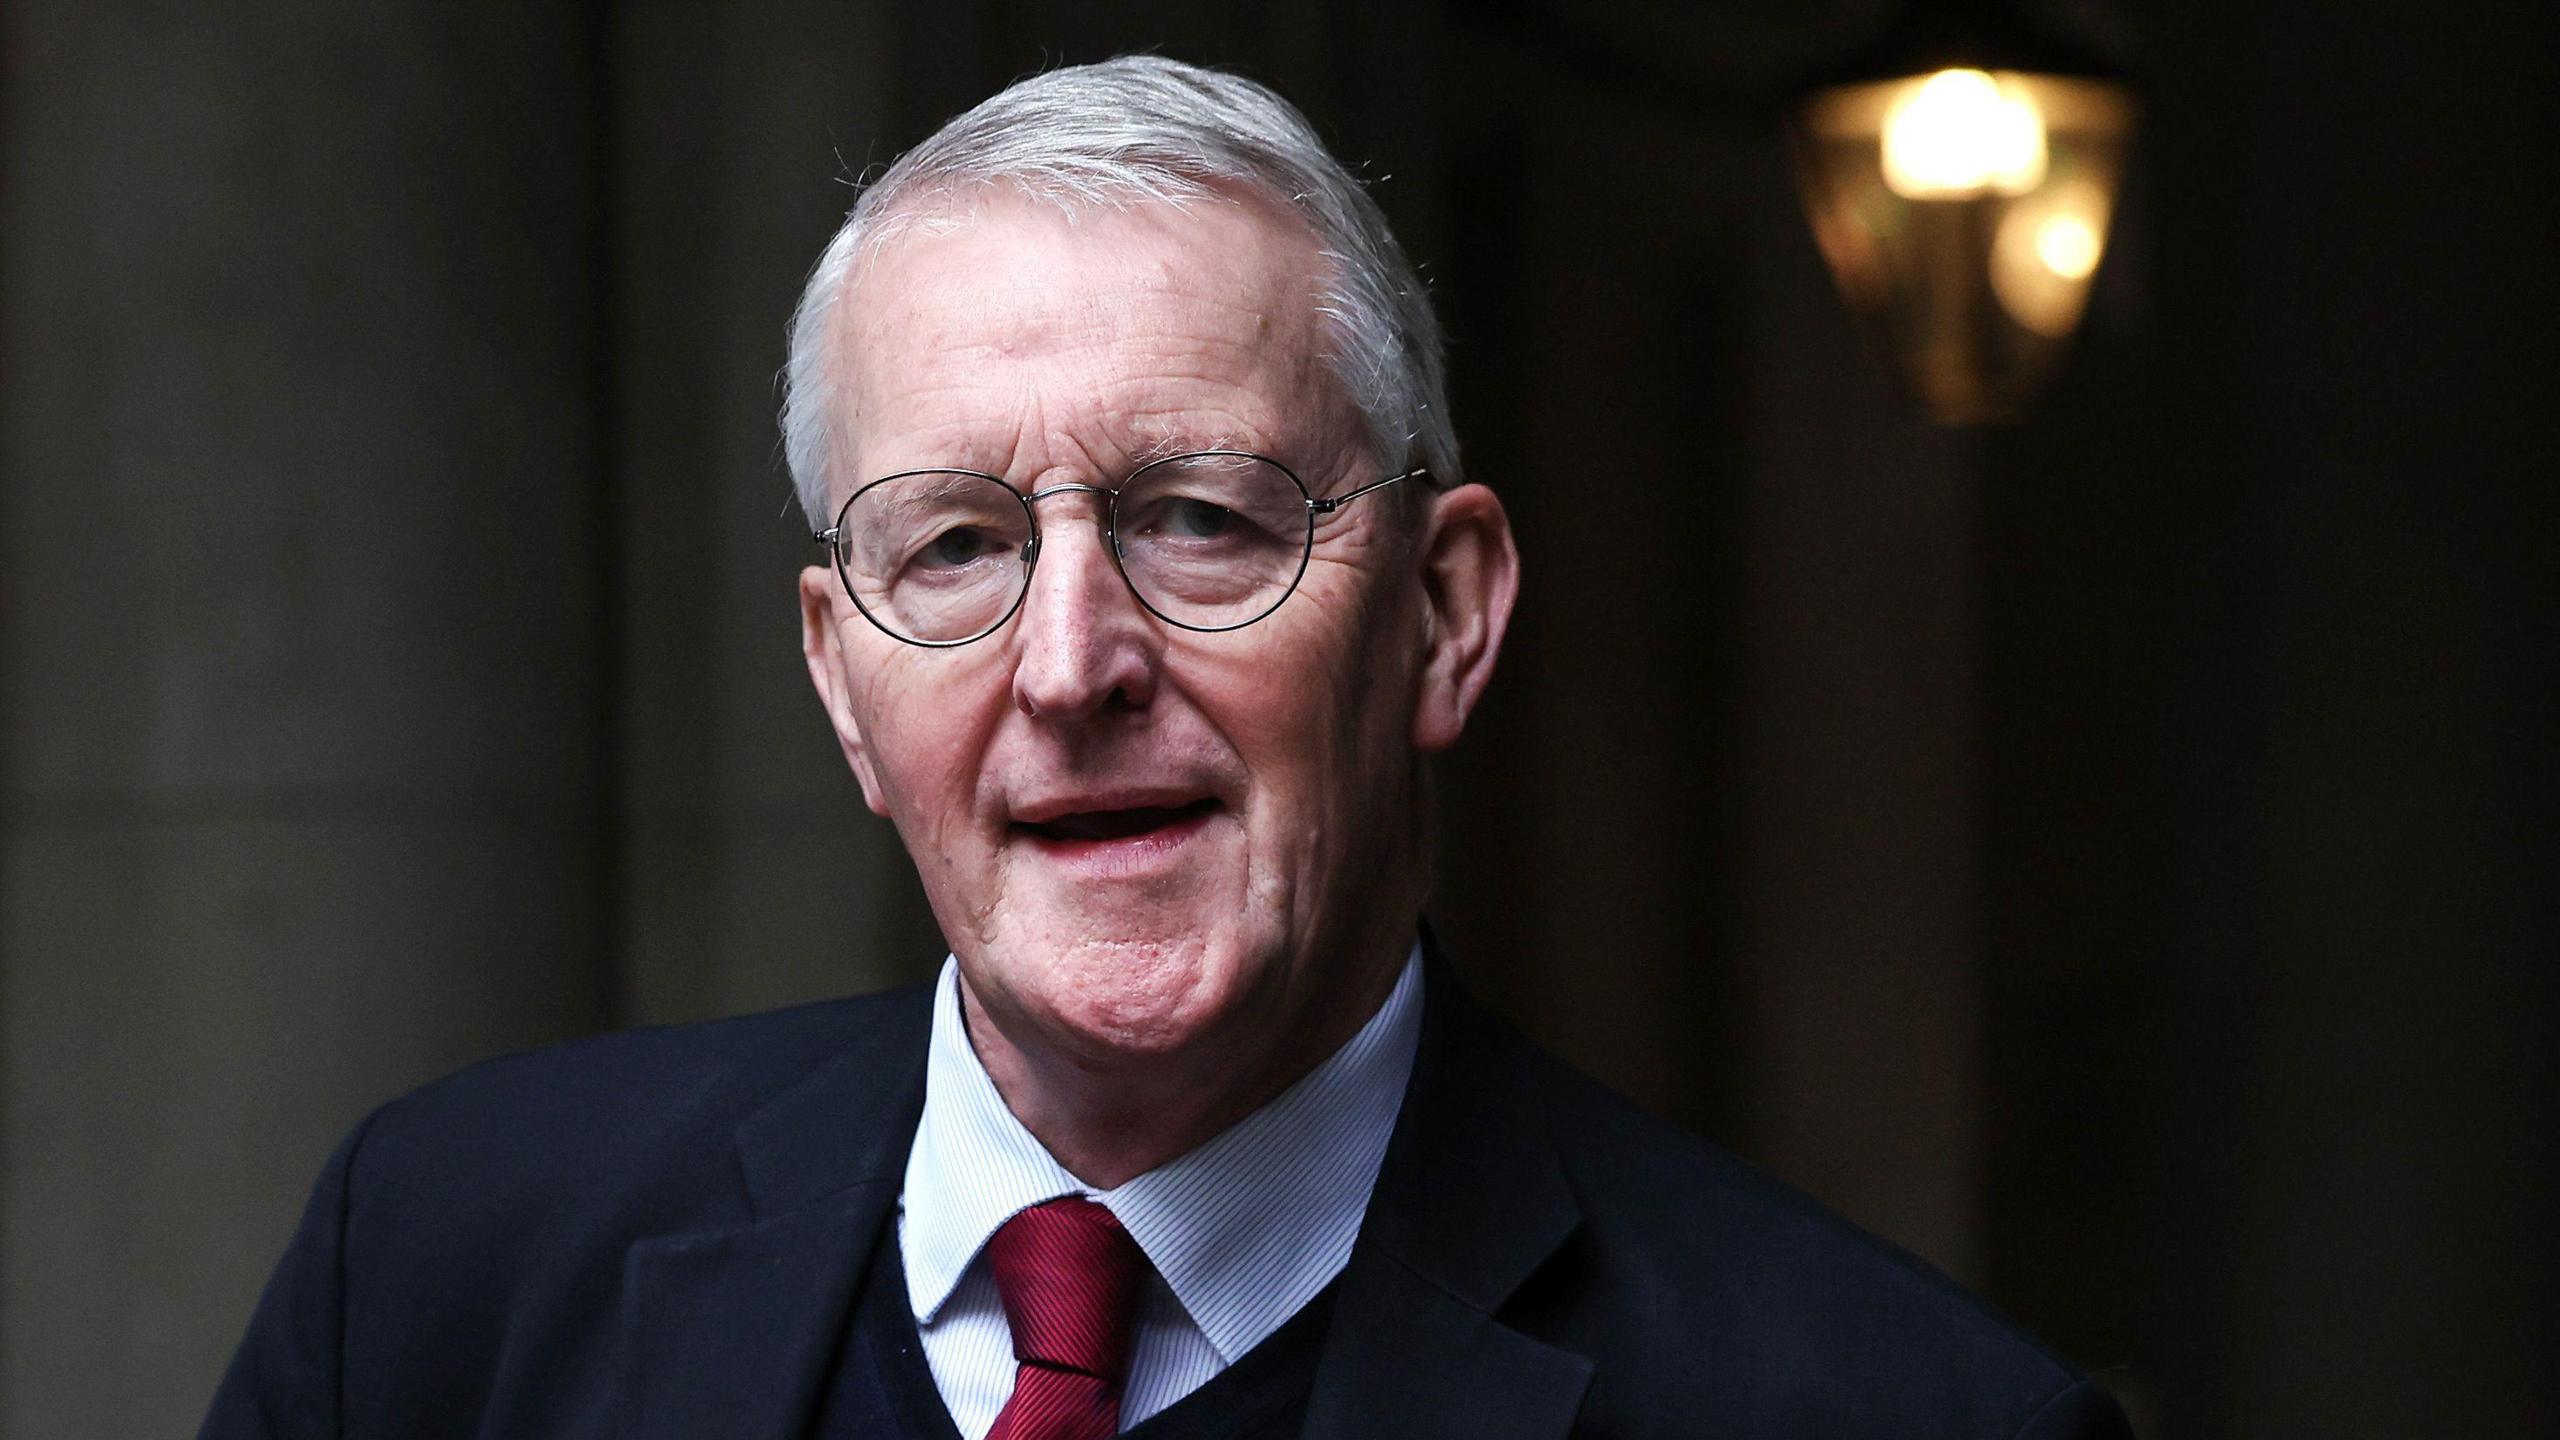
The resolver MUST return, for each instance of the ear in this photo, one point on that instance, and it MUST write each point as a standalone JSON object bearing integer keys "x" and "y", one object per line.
{"x": 830, "y": 670}
{"x": 1470, "y": 576}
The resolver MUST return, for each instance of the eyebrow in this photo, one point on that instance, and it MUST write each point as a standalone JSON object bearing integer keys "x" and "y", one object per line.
{"x": 1163, "y": 445}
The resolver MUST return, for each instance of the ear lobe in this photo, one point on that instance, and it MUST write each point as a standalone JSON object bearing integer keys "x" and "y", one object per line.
{"x": 1470, "y": 577}
{"x": 822, "y": 646}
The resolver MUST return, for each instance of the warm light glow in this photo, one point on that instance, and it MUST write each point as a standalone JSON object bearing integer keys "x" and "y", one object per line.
{"x": 2068, "y": 246}
{"x": 2047, "y": 248}
{"x": 1961, "y": 133}
{"x": 1965, "y": 214}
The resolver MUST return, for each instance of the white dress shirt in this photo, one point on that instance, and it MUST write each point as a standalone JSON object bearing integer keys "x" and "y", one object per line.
{"x": 1241, "y": 1231}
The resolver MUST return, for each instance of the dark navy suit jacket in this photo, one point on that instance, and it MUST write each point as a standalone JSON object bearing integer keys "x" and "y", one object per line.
{"x": 656, "y": 1235}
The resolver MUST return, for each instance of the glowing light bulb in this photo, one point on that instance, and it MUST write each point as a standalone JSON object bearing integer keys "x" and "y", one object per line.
{"x": 2048, "y": 246}
{"x": 1961, "y": 133}
{"x": 2068, "y": 245}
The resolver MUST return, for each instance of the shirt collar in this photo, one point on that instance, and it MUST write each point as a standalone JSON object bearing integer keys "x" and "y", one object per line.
{"x": 1244, "y": 1229}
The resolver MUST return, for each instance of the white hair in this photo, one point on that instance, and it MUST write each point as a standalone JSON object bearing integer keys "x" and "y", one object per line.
{"x": 1137, "y": 130}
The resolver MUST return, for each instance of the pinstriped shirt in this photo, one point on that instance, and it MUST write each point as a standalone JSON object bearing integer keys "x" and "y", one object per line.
{"x": 1241, "y": 1231}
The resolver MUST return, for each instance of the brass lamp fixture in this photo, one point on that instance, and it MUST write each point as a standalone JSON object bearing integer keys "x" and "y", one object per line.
{"x": 1961, "y": 177}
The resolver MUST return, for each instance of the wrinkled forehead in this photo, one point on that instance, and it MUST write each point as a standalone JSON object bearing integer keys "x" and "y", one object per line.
{"x": 1216, "y": 299}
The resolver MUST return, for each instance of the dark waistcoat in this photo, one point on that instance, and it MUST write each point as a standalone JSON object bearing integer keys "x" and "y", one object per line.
{"x": 883, "y": 1386}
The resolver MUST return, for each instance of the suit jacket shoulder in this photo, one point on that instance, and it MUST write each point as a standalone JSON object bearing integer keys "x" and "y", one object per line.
{"x": 1705, "y": 1294}
{"x": 462, "y": 1258}
{"x": 525, "y": 1147}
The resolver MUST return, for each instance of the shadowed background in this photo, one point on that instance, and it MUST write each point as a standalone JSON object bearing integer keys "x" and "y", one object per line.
{"x": 2110, "y": 856}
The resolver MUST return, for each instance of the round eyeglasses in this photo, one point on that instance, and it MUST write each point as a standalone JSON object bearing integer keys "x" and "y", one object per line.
{"x": 1210, "y": 540}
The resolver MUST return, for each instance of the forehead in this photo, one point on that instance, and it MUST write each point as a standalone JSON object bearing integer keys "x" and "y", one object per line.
{"x": 1008, "y": 331}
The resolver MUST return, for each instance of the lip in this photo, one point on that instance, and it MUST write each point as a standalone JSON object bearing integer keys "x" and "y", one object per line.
{"x": 1084, "y": 802}
{"x": 1121, "y": 855}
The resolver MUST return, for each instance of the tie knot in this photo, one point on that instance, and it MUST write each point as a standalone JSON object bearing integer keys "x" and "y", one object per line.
{"x": 1069, "y": 1277}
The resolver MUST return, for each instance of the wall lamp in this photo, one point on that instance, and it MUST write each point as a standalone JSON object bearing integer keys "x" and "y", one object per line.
{"x": 1961, "y": 176}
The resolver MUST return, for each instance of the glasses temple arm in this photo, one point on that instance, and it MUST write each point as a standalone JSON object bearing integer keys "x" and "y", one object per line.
{"x": 1327, "y": 507}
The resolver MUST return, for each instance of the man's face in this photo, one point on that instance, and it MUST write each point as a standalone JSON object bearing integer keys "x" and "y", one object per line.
{"x": 1138, "y": 839}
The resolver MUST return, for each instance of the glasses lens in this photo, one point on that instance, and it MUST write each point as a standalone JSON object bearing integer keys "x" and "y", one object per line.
{"x": 934, "y": 556}
{"x": 1213, "y": 541}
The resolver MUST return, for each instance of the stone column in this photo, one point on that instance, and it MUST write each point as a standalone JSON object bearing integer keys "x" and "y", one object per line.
{"x": 297, "y": 637}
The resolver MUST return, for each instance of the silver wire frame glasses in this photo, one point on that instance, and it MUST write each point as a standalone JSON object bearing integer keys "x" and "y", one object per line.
{"x": 1210, "y": 540}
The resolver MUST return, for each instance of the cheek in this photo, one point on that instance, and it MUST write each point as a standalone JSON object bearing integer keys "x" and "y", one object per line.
{"x": 926, "y": 727}
{"x": 1320, "y": 717}
{"x": 1284, "y": 710}
{"x": 1360, "y": 680}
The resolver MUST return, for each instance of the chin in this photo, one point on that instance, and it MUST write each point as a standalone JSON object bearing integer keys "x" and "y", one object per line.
{"x": 1107, "y": 993}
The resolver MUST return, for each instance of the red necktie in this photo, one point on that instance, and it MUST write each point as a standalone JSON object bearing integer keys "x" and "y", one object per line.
{"x": 1069, "y": 1276}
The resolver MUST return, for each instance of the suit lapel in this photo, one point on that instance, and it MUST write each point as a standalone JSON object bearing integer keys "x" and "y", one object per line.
{"x": 733, "y": 1332}
{"x": 1405, "y": 1358}
{"x": 1470, "y": 1202}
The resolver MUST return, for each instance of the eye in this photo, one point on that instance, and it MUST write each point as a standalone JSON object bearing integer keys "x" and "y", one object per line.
{"x": 1195, "y": 519}
{"x": 958, "y": 546}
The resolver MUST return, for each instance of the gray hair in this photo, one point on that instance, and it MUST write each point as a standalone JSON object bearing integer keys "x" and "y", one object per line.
{"x": 1143, "y": 129}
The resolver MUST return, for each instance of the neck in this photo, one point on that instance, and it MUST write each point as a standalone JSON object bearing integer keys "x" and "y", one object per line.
{"x": 1109, "y": 1123}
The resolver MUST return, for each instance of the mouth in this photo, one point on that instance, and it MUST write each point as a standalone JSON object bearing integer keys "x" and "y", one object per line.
{"x": 1117, "y": 834}
{"x": 1112, "y": 826}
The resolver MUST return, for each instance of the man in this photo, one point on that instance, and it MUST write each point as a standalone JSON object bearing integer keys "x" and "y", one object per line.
{"x": 1152, "y": 578}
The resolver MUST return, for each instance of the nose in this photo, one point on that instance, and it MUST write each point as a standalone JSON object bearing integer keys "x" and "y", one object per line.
{"x": 1085, "y": 645}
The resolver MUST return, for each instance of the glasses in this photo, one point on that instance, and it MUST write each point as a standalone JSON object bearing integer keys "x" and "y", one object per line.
{"x": 1212, "y": 540}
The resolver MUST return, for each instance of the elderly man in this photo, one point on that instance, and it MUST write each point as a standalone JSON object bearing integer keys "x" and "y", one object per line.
{"x": 1151, "y": 580}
